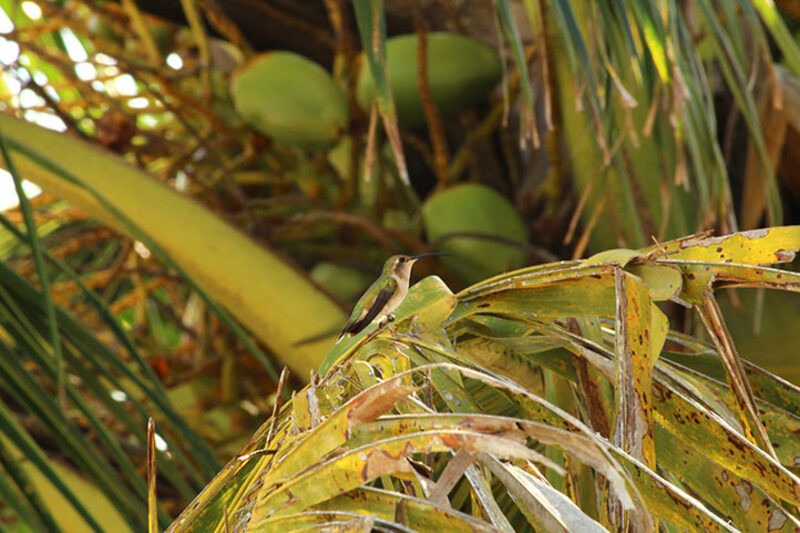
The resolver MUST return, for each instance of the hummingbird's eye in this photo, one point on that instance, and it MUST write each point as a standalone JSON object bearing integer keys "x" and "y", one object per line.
{"x": 401, "y": 260}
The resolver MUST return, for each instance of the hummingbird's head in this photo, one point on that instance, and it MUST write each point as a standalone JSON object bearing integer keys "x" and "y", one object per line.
{"x": 399, "y": 265}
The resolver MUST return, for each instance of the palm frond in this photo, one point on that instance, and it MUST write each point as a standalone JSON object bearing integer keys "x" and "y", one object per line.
{"x": 457, "y": 393}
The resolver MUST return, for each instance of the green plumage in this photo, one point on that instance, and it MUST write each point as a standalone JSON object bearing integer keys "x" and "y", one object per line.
{"x": 369, "y": 306}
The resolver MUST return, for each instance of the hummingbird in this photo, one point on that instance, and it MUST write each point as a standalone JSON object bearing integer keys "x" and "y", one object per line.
{"x": 384, "y": 295}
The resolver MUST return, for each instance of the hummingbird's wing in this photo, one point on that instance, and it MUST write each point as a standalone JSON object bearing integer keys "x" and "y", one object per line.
{"x": 367, "y": 315}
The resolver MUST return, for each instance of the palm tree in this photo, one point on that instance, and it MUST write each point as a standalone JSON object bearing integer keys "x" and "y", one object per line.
{"x": 586, "y": 393}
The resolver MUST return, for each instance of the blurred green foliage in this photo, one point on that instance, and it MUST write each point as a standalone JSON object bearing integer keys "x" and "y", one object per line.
{"x": 316, "y": 138}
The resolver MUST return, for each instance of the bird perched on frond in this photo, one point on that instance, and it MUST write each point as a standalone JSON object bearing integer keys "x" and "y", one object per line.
{"x": 383, "y": 296}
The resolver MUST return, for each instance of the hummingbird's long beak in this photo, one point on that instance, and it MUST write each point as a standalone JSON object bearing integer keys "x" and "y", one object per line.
{"x": 418, "y": 256}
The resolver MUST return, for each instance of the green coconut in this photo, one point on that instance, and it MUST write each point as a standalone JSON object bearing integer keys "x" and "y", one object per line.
{"x": 343, "y": 282}
{"x": 291, "y": 99}
{"x": 475, "y": 209}
{"x": 461, "y": 72}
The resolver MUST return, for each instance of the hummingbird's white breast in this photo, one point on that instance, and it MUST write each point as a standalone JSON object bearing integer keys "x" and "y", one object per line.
{"x": 396, "y": 299}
